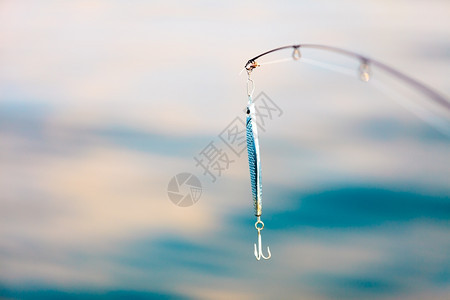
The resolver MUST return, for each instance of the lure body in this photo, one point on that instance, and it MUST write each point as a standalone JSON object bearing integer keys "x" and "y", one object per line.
{"x": 254, "y": 158}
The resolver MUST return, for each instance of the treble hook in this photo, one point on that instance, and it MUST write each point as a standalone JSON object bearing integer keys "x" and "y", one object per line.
{"x": 258, "y": 252}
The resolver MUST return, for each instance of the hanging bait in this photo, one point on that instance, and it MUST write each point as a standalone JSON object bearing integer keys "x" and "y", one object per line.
{"x": 255, "y": 168}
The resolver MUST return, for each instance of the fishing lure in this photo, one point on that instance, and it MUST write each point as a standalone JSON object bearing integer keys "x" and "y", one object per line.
{"x": 255, "y": 167}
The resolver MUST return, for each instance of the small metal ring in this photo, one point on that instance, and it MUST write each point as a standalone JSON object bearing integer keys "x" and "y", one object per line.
{"x": 262, "y": 225}
{"x": 296, "y": 55}
{"x": 364, "y": 70}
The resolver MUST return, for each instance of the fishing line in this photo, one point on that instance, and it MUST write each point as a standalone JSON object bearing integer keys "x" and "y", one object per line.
{"x": 276, "y": 61}
{"x": 330, "y": 67}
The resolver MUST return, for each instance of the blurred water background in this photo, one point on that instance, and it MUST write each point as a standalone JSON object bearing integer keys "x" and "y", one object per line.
{"x": 103, "y": 102}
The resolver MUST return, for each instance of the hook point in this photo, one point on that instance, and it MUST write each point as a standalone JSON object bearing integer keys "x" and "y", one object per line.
{"x": 258, "y": 250}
